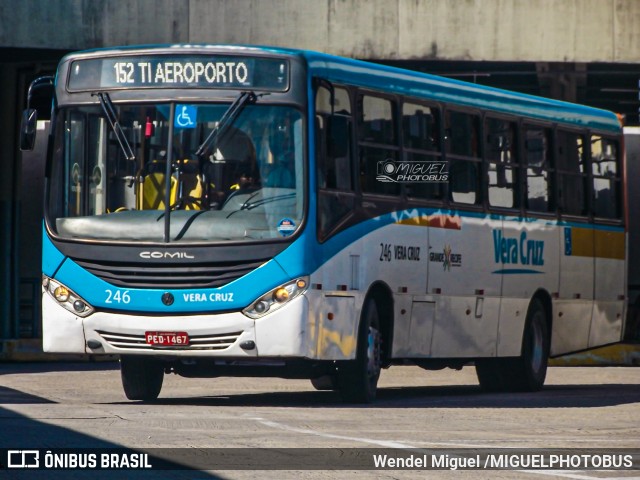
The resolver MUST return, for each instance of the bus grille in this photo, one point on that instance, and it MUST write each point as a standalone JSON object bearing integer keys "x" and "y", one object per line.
{"x": 196, "y": 342}
{"x": 209, "y": 275}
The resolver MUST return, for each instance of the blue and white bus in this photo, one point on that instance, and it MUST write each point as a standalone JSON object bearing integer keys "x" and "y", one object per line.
{"x": 225, "y": 210}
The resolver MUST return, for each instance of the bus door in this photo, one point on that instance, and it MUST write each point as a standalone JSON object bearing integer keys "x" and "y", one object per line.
{"x": 335, "y": 312}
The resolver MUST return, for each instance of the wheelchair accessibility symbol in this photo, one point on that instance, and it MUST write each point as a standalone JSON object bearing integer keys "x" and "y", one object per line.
{"x": 186, "y": 116}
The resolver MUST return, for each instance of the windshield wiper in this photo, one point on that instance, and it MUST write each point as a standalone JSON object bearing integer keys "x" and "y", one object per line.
{"x": 227, "y": 119}
{"x": 112, "y": 118}
{"x": 250, "y": 206}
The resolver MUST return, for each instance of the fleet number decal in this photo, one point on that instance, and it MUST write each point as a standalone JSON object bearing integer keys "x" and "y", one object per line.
{"x": 118, "y": 296}
{"x": 390, "y": 252}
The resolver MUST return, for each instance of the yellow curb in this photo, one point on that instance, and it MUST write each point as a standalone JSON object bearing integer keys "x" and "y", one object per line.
{"x": 622, "y": 354}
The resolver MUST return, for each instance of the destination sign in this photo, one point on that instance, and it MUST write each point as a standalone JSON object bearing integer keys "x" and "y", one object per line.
{"x": 171, "y": 71}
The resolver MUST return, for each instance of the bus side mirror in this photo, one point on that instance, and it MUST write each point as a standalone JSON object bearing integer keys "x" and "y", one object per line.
{"x": 28, "y": 129}
{"x": 29, "y": 122}
{"x": 337, "y": 136}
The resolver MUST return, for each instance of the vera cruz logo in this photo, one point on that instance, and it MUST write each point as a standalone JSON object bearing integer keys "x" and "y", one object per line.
{"x": 519, "y": 251}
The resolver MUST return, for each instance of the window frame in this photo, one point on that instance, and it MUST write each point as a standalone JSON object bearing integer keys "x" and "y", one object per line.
{"x": 560, "y": 173}
{"x": 619, "y": 219}
{"x": 552, "y": 183}
{"x": 516, "y": 165}
{"x": 437, "y": 155}
{"x": 361, "y": 144}
{"x": 478, "y": 204}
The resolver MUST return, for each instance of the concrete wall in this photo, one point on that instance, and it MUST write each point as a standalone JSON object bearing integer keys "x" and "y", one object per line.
{"x": 523, "y": 30}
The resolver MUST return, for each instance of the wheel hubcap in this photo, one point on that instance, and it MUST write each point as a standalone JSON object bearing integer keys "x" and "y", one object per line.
{"x": 373, "y": 353}
{"x": 537, "y": 344}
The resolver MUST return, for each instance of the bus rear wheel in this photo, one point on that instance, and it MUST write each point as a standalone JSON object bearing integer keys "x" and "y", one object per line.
{"x": 357, "y": 380}
{"x": 141, "y": 377}
{"x": 527, "y": 372}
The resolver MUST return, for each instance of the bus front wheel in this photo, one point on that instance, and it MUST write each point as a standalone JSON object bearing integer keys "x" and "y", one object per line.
{"x": 357, "y": 380}
{"x": 141, "y": 377}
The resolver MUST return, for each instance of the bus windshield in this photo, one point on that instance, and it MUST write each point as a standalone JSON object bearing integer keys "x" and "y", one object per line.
{"x": 221, "y": 177}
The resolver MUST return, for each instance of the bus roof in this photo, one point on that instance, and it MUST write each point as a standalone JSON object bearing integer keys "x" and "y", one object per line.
{"x": 406, "y": 82}
{"x": 442, "y": 89}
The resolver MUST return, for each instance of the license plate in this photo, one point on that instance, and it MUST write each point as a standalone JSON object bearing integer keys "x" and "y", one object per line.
{"x": 167, "y": 339}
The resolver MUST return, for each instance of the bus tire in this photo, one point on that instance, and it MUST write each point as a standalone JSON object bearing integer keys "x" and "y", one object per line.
{"x": 325, "y": 382}
{"x": 527, "y": 372}
{"x": 141, "y": 377}
{"x": 357, "y": 380}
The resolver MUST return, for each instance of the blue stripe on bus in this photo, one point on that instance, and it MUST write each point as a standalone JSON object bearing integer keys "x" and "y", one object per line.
{"x": 302, "y": 257}
{"x": 52, "y": 258}
{"x": 517, "y": 271}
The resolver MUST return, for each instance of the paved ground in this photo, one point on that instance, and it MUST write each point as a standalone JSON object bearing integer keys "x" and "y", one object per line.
{"x": 60, "y": 405}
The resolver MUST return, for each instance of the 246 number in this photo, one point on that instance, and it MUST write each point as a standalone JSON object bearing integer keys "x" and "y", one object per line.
{"x": 117, "y": 296}
{"x": 385, "y": 252}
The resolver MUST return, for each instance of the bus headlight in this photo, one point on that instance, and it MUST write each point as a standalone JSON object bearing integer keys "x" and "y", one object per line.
{"x": 66, "y": 298}
{"x": 276, "y": 298}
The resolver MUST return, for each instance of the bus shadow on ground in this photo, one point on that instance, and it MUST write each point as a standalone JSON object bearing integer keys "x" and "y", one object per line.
{"x": 23, "y": 433}
{"x": 459, "y": 396}
{"x": 20, "y": 432}
{"x": 12, "y": 368}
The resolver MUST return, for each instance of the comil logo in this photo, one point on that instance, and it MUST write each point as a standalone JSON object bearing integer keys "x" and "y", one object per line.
{"x": 170, "y": 255}
{"x": 23, "y": 459}
{"x": 412, "y": 172}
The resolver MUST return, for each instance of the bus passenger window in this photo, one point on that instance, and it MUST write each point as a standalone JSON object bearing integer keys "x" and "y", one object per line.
{"x": 421, "y": 142}
{"x": 420, "y": 127}
{"x": 606, "y": 177}
{"x": 464, "y": 181}
{"x": 424, "y": 190}
{"x": 536, "y": 148}
{"x": 572, "y": 173}
{"x": 333, "y": 140}
{"x": 500, "y": 152}
{"x": 463, "y": 155}
{"x": 378, "y": 144}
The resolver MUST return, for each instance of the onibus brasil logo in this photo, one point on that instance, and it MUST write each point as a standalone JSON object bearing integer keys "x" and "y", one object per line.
{"x": 412, "y": 172}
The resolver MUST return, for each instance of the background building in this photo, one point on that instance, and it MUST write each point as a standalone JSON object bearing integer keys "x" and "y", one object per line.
{"x": 586, "y": 51}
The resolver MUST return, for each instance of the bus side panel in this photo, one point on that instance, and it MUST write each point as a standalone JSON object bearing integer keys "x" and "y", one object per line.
{"x": 414, "y": 313}
{"x": 461, "y": 333}
{"x": 334, "y": 303}
{"x": 574, "y": 306}
{"x": 461, "y": 262}
{"x": 513, "y": 315}
{"x": 397, "y": 255}
{"x": 337, "y": 338}
{"x": 608, "y": 308}
{"x": 528, "y": 263}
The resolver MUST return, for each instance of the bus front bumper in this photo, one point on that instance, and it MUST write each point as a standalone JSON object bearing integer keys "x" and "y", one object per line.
{"x": 282, "y": 333}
